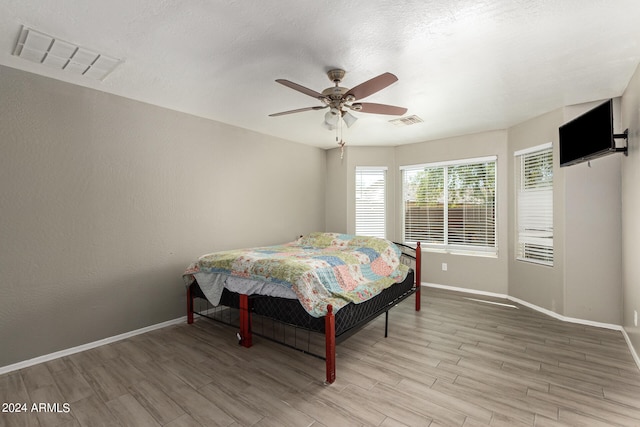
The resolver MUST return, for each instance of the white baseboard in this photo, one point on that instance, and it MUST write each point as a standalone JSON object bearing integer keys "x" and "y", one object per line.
{"x": 88, "y": 346}
{"x": 633, "y": 350}
{"x": 553, "y": 314}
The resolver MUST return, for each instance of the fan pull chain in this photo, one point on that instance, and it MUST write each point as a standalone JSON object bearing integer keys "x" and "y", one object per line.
{"x": 340, "y": 142}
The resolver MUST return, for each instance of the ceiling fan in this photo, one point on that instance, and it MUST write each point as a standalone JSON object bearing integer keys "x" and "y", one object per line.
{"x": 341, "y": 99}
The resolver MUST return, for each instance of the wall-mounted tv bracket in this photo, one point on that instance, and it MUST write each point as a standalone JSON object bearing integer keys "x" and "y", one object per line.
{"x": 624, "y": 135}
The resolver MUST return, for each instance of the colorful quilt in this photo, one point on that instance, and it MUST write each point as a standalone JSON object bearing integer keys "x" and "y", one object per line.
{"x": 321, "y": 268}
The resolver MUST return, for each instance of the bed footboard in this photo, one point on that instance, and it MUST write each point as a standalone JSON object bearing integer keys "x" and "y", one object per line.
{"x": 413, "y": 258}
{"x": 246, "y": 339}
{"x": 189, "y": 305}
{"x": 417, "y": 269}
{"x": 330, "y": 344}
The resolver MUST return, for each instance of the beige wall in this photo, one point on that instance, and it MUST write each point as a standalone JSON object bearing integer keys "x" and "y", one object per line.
{"x": 593, "y": 249}
{"x": 585, "y": 280}
{"x": 483, "y": 273}
{"x": 593, "y": 234}
{"x": 630, "y": 118}
{"x": 104, "y": 201}
{"x": 488, "y": 274}
{"x": 583, "y": 283}
{"x": 336, "y": 194}
{"x": 538, "y": 284}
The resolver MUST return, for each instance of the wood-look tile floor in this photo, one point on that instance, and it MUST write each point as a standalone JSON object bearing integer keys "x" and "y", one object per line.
{"x": 458, "y": 362}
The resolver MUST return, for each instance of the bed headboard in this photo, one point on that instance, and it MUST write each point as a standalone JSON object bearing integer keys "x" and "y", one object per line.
{"x": 412, "y": 257}
{"x": 408, "y": 256}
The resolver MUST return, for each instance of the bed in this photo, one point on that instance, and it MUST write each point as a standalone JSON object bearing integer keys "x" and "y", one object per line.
{"x": 325, "y": 283}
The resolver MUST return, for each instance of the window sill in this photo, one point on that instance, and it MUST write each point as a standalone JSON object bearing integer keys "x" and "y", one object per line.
{"x": 464, "y": 252}
{"x": 533, "y": 261}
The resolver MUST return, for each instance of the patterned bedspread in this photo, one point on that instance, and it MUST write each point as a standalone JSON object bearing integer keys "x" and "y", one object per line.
{"x": 321, "y": 268}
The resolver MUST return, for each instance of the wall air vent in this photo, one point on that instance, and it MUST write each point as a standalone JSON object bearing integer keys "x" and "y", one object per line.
{"x": 38, "y": 47}
{"x": 406, "y": 121}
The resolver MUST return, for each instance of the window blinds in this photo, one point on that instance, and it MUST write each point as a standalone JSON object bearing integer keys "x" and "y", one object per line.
{"x": 370, "y": 201}
{"x": 535, "y": 204}
{"x": 451, "y": 205}
{"x": 423, "y": 197}
{"x": 471, "y": 216}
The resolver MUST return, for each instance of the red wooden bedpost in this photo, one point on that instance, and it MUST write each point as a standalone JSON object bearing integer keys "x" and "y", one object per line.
{"x": 245, "y": 322}
{"x": 330, "y": 343}
{"x": 189, "y": 305}
{"x": 417, "y": 273}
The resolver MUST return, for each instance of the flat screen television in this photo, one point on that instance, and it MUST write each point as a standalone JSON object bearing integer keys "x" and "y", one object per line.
{"x": 588, "y": 136}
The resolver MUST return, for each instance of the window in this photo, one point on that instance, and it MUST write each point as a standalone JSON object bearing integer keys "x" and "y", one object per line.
{"x": 370, "y": 201}
{"x": 451, "y": 205}
{"x": 534, "y": 204}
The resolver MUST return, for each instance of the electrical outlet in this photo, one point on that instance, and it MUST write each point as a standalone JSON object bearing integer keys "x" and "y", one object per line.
{"x": 444, "y": 266}
{"x": 635, "y": 317}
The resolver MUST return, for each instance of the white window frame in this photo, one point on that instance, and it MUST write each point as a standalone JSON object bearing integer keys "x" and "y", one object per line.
{"x": 534, "y": 207}
{"x": 372, "y": 220}
{"x": 467, "y": 249}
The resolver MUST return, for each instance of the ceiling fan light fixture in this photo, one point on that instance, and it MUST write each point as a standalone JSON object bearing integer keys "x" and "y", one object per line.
{"x": 349, "y": 119}
{"x": 330, "y": 120}
{"x": 328, "y": 125}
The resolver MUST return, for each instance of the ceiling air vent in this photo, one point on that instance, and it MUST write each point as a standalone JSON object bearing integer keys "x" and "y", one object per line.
{"x": 38, "y": 47}
{"x": 406, "y": 121}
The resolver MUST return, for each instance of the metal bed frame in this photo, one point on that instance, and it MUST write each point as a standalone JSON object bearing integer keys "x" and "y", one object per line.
{"x": 289, "y": 312}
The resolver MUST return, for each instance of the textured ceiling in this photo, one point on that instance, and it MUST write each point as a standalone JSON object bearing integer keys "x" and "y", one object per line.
{"x": 464, "y": 66}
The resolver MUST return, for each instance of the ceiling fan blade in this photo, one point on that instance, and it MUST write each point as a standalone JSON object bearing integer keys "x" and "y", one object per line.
{"x": 299, "y": 110}
{"x": 370, "y": 107}
{"x": 372, "y": 86}
{"x": 299, "y": 88}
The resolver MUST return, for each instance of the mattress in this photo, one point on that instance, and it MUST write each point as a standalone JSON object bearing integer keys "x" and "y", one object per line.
{"x": 318, "y": 270}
